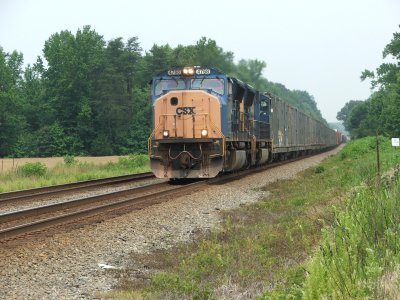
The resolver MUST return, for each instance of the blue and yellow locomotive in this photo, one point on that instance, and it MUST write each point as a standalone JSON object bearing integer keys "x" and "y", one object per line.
{"x": 206, "y": 122}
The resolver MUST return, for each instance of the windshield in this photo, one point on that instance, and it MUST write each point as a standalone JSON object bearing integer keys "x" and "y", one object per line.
{"x": 167, "y": 85}
{"x": 214, "y": 84}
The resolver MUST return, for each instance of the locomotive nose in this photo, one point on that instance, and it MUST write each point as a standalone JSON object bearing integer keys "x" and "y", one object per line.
{"x": 187, "y": 140}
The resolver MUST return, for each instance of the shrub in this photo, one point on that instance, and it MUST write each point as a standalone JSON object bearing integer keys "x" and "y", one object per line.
{"x": 357, "y": 148}
{"x": 133, "y": 161}
{"x": 32, "y": 169}
{"x": 361, "y": 247}
{"x": 319, "y": 169}
{"x": 70, "y": 160}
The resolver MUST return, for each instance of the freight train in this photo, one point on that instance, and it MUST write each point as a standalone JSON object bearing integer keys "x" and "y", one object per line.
{"x": 206, "y": 122}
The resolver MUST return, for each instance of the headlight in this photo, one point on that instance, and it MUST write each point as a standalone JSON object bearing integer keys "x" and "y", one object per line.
{"x": 204, "y": 132}
{"x": 166, "y": 133}
{"x": 188, "y": 71}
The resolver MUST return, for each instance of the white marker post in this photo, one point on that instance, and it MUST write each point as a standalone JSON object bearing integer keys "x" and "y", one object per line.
{"x": 395, "y": 142}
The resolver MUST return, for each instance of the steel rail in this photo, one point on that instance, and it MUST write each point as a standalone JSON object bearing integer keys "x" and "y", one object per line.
{"x": 45, "y": 223}
{"x": 119, "y": 204}
{"x": 37, "y": 211}
{"x": 7, "y": 197}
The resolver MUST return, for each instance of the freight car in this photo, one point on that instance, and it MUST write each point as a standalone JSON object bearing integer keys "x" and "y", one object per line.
{"x": 206, "y": 122}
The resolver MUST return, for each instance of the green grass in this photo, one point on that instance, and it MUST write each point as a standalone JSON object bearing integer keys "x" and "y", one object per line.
{"x": 36, "y": 175}
{"x": 264, "y": 249}
{"x": 360, "y": 248}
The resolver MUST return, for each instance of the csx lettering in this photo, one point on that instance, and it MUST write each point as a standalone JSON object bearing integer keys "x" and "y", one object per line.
{"x": 188, "y": 110}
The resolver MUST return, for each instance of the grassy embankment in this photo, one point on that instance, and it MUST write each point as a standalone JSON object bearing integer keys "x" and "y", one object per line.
{"x": 33, "y": 175}
{"x": 266, "y": 247}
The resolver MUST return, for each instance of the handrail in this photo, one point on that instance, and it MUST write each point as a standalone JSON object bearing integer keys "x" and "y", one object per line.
{"x": 220, "y": 132}
{"x": 149, "y": 144}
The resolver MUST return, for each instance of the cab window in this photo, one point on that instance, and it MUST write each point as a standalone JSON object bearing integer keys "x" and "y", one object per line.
{"x": 264, "y": 106}
{"x": 162, "y": 85}
{"x": 214, "y": 84}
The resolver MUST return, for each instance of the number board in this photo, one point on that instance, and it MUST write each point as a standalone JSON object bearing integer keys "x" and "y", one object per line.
{"x": 203, "y": 71}
{"x": 174, "y": 72}
{"x": 178, "y": 72}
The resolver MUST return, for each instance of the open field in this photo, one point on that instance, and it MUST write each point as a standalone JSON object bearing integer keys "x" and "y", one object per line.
{"x": 16, "y": 174}
{"x": 7, "y": 164}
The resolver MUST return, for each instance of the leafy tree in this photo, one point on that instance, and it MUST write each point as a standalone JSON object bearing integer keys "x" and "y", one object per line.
{"x": 141, "y": 121}
{"x": 344, "y": 113}
{"x": 36, "y": 109}
{"x": 208, "y": 53}
{"x": 101, "y": 145}
{"x": 391, "y": 110}
{"x": 251, "y": 71}
{"x": 387, "y": 73}
{"x": 156, "y": 60}
{"x": 381, "y": 112}
{"x": 113, "y": 105}
{"x": 91, "y": 97}
{"x": 74, "y": 63}
{"x": 14, "y": 62}
{"x": 26, "y": 146}
{"x": 185, "y": 55}
{"x": 12, "y": 121}
{"x": 51, "y": 141}
{"x": 358, "y": 120}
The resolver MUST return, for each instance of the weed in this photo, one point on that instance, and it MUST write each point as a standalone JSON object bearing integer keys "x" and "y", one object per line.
{"x": 133, "y": 161}
{"x": 72, "y": 170}
{"x": 362, "y": 247}
{"x": 70, "y": 160}
{"x": 32, "y": 169}
{"x": 358, "y": 148}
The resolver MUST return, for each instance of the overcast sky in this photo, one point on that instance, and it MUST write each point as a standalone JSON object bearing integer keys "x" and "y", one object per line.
{"x": 314, "y": 45}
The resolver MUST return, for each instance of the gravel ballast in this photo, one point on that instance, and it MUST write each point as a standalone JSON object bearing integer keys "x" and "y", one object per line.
{"x": 73, "y": 265}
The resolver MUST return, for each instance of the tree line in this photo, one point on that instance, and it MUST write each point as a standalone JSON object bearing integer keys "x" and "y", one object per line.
{"x": 86, "y": 96}
{"x": 380, "y": 113}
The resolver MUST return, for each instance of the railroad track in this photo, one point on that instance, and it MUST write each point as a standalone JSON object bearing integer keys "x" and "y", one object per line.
{"x": 26, "y": 221}
{"x": 23, "y": 195}
{"x": 23, "y": 222}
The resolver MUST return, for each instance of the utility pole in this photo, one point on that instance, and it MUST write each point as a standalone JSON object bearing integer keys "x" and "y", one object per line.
{"x": 377, "y": 158}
